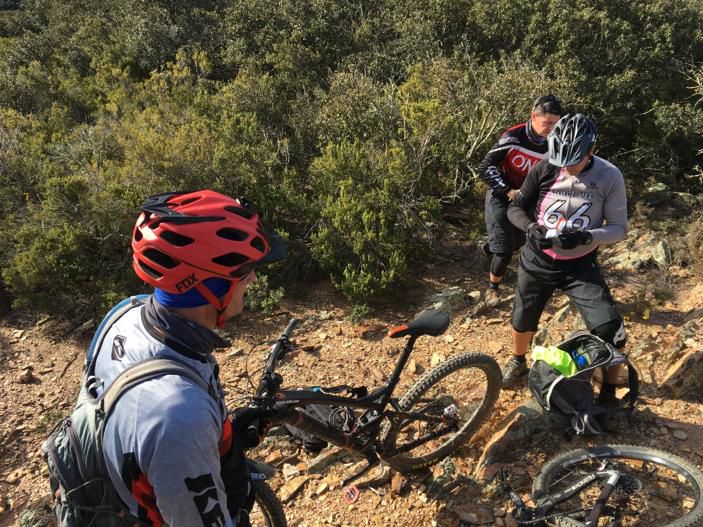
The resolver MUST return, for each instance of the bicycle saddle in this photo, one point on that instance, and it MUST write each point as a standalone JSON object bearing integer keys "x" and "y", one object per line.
{"x": 428, "y": 322}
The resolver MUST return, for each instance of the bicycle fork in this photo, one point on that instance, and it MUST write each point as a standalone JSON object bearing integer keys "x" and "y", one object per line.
{"x": 613, "y": 477}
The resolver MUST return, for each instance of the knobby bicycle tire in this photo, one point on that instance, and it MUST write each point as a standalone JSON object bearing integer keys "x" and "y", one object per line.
{"x": 269, "y": 504}
{"x": 682, "y": 467}
{"x": 488, "y": 365}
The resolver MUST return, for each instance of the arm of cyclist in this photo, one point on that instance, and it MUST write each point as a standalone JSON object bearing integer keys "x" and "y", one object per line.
{"x": 488, "y": 169}
{"x": 614, "y": 212}
{"x": 183, "y": 468}
{"x": 524, "y": 202}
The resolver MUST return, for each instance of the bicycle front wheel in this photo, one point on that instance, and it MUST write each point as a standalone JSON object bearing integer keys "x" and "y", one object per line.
{"x": 462, "y": 390}
{"x": 655, "y": 487}
{"x": 267, "y": 510}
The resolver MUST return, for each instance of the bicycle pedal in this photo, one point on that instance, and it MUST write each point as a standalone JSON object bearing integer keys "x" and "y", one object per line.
{"x": 350, "y": 494}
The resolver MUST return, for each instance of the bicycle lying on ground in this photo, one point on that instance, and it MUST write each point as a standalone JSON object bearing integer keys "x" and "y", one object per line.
{"x": 613, "y": 485}
{"x": 435, "y": 416}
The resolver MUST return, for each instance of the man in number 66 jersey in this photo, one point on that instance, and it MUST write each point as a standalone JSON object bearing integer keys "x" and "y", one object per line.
{"x": 569, "y": 204}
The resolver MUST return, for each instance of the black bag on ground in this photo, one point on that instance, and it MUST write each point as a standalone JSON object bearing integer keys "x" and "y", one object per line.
{"x": 561, "y": 380}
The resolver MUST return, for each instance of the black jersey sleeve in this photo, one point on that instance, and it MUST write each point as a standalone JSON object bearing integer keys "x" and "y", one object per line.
{"x": 488, "y": 169}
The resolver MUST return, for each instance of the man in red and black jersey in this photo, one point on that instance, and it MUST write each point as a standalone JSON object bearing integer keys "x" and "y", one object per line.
{"x": 504, "y": 169}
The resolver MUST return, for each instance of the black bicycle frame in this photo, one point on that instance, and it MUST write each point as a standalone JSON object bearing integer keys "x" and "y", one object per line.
{"x": 286, "y": 403}
{"x": 545, "y": 504}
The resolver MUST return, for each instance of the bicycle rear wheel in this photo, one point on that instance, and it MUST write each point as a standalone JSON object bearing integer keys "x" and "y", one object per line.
{"x": 464, "y": 388}
{"x": 669, "y": 493}
{"x": 267, "y": 510}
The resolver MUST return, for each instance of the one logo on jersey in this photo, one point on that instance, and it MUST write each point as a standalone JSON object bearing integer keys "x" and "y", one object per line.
{"x": 118, "y": 347}
{"x": 206, "y": 500}
{"x": 524, "y": 163}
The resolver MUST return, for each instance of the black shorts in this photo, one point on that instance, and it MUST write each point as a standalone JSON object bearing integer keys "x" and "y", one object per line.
{"x": 503, "y": 236}
{"x": 581, "y": 280}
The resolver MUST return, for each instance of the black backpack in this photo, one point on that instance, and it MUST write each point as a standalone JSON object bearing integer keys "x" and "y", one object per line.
{"x": 566, "y": 387}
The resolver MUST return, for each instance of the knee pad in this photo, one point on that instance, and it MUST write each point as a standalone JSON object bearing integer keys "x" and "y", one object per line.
{"x": 612, "y": 332}
{"x": 500, "y": 263}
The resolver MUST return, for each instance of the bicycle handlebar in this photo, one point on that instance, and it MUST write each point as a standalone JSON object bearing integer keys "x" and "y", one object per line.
{"x": 267, "y": 382}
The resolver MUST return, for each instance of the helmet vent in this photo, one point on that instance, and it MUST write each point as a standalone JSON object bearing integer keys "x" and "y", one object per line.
{"x": 258, "y": 244}
{"x": 232, "y": 234}
{"x": 160, "y": 258}
{"x": 240, "y": 212}
{"x": 176, "y": 239}
{"x": 138, "y": 235}
{"x": 230, "y": 259}
{"x": 149, "y": 270}
{"x": 189, "y": 200}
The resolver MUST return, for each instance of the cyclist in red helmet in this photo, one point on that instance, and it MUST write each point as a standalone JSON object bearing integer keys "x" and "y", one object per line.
{"x": 173, "y": 454}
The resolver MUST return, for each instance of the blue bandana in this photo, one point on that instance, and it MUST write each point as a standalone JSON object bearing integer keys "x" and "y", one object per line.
{"x": 192, "y": 298}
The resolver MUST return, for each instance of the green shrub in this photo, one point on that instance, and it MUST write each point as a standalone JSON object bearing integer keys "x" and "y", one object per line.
{"x": 369, "y": 224}
{"x": 261, "y": 297}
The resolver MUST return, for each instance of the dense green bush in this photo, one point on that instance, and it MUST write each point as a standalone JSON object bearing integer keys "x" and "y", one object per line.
{"x": 350, "y": 124}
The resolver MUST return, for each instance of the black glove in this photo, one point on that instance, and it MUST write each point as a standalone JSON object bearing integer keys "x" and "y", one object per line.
{"x": 243, "y": 419}
{"x": 538, "y": 235}
{"x": 570, "y": 238}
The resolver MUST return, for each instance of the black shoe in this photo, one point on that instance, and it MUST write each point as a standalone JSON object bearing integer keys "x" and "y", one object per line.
{"x": 514, "y": 372}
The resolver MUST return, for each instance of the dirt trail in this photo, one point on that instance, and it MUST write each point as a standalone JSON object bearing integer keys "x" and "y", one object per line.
{"x": 40, "y": 373}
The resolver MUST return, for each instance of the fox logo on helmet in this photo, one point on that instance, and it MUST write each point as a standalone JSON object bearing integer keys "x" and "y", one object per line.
{"x": 186, "y": 283}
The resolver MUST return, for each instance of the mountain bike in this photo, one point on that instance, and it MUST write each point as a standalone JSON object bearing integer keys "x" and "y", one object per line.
{"x": 435, "y": 416}
{"x": 613, "y": 485}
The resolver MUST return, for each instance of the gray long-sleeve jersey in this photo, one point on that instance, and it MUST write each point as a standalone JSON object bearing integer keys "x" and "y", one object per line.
{"x": 162, "y": 441}
{"x": 594, "y": 200}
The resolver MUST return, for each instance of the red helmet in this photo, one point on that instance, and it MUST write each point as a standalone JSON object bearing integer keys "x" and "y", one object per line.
{"x": 182, "y": 239}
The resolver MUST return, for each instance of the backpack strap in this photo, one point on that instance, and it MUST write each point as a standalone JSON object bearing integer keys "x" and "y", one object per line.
{"x": 146, "y": 370}
{"x": 113, "y": 316}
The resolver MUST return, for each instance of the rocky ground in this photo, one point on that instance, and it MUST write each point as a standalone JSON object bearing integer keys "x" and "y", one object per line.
{"x": 41, "y": 358}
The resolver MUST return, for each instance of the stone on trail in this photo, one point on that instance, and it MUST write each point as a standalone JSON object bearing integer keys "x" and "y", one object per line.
{"x": 437, "y": 359}
{"x": 289, "y": 470}
{"x": 686, "y": 376}
{"x": 448, "y": 301}
{"x": 398, "y": 483}
{"x": 292, "y": 487}
{"x": 474, "y": 514}
{"x": 516, "y": 430}
{"x": 326, "y": 458}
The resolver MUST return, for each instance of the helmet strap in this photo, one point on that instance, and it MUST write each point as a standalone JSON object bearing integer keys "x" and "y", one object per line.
{"x": 220, "y": 305}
